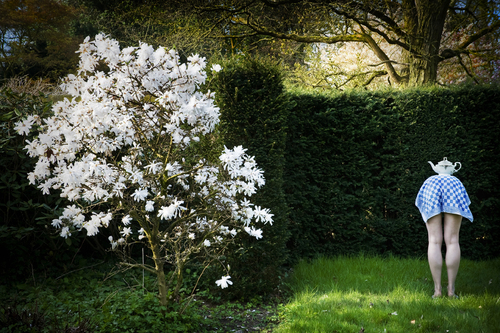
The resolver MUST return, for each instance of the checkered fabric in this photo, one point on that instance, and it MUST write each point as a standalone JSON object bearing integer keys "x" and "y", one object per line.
{"x": 443, "y": 194}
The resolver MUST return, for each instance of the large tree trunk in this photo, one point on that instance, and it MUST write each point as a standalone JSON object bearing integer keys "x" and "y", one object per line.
{"x": 424, "y": 20}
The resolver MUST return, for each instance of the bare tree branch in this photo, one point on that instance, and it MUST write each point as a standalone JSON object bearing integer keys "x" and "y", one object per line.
{"x": 373, "y": 29}
{"x": 467, "y": 70}
{"x": 383, "y": 57}
{"x": 386, "y": 61}
{"x": 300, "y": 38}
{"x": 373, "y": 77}
{"x": 390, "y": 23}
{"x": 479, "y": 34}
{"x": 462, "y": 48}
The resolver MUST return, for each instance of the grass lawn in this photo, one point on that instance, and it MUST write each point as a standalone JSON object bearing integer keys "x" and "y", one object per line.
{"x": 343, "y": 294}
{"x": 366, "y": 294}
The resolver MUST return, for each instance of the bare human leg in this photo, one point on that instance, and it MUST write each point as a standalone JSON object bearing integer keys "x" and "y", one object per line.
{"x": 452, "y": 224}
{"x": 435, "y": 232}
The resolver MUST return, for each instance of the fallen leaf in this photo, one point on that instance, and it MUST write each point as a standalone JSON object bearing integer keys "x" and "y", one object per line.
{"x": 413, "y": 321}
{"x": 394, "y": 313}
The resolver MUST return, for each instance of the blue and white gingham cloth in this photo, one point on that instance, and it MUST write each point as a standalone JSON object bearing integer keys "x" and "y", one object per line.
{"x": 443, "y": 194}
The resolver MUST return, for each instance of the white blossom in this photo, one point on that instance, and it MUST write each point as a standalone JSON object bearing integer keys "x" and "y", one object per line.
{"x": 24, "y": 127}
{"x": 141, "y": 233}
{"x": 92, "y": 226}
{"x": 224, "y": 282}
{"x": 114, "y": 244}
{"x": 65, "y": 232}
{"x": 263, "y": 215}
{"x": 126, "y": 231}
{"x": 172, "y": 211}
{"x": 257, "y": 233}
{"x": 126, "y": 220}
{"x": 56, "y": 223}
{"x": 216, "y": 68}
{"x": 149, "y": 206}
{"x": 153, "y": 167}
{"x": 140, "y": 194}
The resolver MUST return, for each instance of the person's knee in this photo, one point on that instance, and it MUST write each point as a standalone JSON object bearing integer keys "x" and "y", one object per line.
{"x": 451, "y": 240}
{"x": 435, "y": 240}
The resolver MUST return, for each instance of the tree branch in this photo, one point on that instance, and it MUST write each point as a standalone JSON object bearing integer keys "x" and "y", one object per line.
{"x": 466, "y": 70}
{"x": 373, "y": 76}
{"x": 383, "y": 57}
{"x": 387, "y": 61}
{"x": 479, "y": 34}
{"x": 391, "y": 24}
{"x": 462, "y": 48}
{"x": 141, "y": 266}
{"x": 299, "y": 38}
{"x": 277, "y": 4}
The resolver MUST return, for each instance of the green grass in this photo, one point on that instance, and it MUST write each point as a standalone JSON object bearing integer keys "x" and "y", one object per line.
{"x": 366, "y": 294}
{"x": 344, "y": 294}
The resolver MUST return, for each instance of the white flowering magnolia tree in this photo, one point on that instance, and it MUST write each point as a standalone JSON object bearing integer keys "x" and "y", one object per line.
{"x": 125, "y": 140}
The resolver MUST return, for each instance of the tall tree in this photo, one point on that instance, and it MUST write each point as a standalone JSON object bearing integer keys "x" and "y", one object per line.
{"x": 156, "y": 22}
{"x": 35, "y": 39}
{"x": 414, "y": 27}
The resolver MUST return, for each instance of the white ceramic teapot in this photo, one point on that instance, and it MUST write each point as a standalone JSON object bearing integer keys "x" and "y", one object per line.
{"x": 445, "y": 167}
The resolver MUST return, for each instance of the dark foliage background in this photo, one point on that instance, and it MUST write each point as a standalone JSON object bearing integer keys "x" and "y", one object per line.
{"x": 25, "y": 240}
{"x": 28, "y": 243}
{"x": 355, "y": 162}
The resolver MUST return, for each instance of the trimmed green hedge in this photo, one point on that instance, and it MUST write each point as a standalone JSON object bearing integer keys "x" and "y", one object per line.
{"x": 355, "y": 162}
{"x": 254, "y": 112}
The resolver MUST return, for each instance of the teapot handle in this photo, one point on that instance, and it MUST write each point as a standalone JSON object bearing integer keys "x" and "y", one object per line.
{"x": 459, "y": 166}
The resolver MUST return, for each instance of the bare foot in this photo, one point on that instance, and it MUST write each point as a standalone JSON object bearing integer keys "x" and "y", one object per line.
{"x": 451, "y": 293}
{"x": 437, "y": 293}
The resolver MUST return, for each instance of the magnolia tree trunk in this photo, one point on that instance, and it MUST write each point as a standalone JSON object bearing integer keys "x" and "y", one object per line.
{"x": 160, "y": 275}
{"x": 424, "y": 21}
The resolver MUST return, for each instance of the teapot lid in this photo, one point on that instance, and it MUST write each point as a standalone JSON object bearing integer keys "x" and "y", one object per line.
{"x": 445, "y": 162}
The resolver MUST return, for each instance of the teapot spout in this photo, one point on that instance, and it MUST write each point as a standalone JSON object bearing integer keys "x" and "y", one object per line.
{"x": 433, "y": 166}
